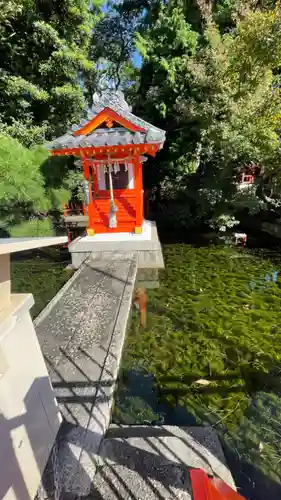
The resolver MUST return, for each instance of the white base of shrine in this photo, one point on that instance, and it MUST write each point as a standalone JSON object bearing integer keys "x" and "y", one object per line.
{"x": 115, "y": 246}
{"x": 144, "y": 236}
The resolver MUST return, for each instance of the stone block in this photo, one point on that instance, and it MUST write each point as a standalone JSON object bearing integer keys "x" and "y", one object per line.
{"x": 153, "y": 462}
{"x": 148, "y": 251}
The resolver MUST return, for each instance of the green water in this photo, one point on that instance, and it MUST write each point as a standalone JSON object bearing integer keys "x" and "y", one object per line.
{"x": 211, "y": 354}
{"x": 40, "y": 272}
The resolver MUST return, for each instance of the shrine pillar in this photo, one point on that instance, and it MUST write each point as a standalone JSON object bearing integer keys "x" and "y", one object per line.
{"x": 139, "y": 189}
{"x": 88, "y": 176}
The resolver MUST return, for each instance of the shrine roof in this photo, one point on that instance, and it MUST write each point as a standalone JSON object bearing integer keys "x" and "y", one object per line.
{"x": 145, "y": 133}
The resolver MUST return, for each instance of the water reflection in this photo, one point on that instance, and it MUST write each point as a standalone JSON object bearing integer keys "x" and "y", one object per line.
{"x": 138, "y": 402}
{"x": 269, "y": 278}
{"x": 41, "y": 272}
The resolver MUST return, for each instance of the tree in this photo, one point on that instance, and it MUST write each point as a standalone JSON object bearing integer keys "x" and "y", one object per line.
{"x": 44, "y": 54}
{"x": 114, "y": 47}
{"x": 21, "y": 183}
{"x": 216, "y": 96}
{"x": 32, "y": 182}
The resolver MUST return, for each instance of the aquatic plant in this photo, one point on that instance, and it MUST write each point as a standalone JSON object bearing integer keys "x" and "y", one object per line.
{"x": 213, "y": 346}
{"x": 41, "y": 273}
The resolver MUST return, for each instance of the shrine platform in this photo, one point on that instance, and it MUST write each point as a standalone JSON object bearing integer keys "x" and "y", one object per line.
{"x": 113, "y": 246}
{"x": 81, "y": 333}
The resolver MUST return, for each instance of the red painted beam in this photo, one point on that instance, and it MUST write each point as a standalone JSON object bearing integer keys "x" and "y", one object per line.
{"x": 115, "y": 151}
{"x": 227, "y": 492}
{"x": 205, "y": 488}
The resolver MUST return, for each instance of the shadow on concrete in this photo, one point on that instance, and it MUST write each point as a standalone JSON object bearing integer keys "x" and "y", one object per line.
{"x": 91, "y": 357}
{"x": 76, "y": 398}
{"x": 105, "y": 273}
{"x": 26, "y": 442}
{"x": 156, "y": 432}
{"x": 86, "y": 392}
{"x": 149, "y": 468}
{"x": 139, "y": 400}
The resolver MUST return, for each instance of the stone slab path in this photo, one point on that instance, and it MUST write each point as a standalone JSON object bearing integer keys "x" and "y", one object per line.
{"x": 81, "y": 333}
{"x": 152, "y": 463}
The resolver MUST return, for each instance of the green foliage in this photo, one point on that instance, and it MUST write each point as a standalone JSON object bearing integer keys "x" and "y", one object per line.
{"x": 24, "y": 131}
{"x": 215, "y": 91}
{"x": 31, "y": 181}
{"x": 21, "y": 183}
{"x": 45, "y": 48}
{"x": 75, "y": 184}
{"x": 215, "y": 318}
{"x": 227, "y": 13}
{"x": 113, "y": 48}
{"x": 61, "y": 179}
{"x": 31, "y": 228}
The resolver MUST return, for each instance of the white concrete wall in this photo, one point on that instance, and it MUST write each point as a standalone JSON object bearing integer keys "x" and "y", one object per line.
{"x": 29, "y": 415}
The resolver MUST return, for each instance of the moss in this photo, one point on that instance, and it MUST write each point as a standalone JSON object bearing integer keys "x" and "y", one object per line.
{"x": 216, "y": 317}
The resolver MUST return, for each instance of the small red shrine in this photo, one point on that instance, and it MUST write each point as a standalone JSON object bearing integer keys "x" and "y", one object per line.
{"x": 111, "y": 143}
{"x": 248, "y": 176}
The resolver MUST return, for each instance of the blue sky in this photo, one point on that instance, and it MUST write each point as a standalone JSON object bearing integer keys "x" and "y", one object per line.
{"x": 137, "y": 59}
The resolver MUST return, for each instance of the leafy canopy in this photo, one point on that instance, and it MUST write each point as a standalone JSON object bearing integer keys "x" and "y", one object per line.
{"x": 44, "y": 54}
{"x": 31, "y": 181}
{"x": 217, "y": 94}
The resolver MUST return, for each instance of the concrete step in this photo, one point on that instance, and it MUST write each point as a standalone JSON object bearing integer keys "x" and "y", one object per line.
{"x": 149, "y": 463}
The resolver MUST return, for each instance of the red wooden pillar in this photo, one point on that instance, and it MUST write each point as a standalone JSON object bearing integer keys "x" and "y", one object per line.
{"x": 139, "y": 194}
{"x": 205, "y": 488}
{"x": 90, "y": 208}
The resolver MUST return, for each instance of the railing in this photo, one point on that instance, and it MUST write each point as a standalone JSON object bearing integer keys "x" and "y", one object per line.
{"x": 73, "y": 209}
{"x": 205, "y": 488}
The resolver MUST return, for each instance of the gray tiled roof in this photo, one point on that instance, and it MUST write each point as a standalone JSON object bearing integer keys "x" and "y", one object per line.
{"x": 105, "y": 136}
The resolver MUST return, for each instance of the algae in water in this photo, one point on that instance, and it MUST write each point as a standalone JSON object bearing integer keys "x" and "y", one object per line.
{"x": 216, "y": 317}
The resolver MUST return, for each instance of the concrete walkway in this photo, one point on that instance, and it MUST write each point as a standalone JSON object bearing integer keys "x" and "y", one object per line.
{"x": 81, "y": 333}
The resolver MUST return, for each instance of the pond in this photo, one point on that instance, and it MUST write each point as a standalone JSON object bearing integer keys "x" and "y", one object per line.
{"x": 41, "y": 272}
{"x": 211, "y": 354}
